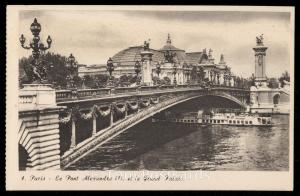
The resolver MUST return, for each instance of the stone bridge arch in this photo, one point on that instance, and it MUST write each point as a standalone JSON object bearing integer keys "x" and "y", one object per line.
{"x": 131, "y": 121}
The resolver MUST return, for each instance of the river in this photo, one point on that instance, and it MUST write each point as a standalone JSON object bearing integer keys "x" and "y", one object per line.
{"x": 170, "y": 146}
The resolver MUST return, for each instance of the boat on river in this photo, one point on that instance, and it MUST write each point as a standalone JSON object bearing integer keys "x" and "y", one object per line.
{"x": 211, "y": 118}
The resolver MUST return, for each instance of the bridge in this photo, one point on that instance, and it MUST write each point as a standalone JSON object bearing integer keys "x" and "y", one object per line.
{"x": 82, "y": 120}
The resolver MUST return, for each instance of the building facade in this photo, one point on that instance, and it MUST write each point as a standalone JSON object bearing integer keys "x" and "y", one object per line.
{"x": 181, "y": 61}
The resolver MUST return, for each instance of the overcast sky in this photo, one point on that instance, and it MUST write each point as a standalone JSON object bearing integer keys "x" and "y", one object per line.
{"x": 94, "y": 36}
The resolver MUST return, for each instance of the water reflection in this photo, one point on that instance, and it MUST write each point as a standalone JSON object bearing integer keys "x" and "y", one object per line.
{"x": 168, "y": 146}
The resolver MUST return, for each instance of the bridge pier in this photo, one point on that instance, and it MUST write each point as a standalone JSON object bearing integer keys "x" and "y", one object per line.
{"x": 94, "y": 125}
{"x": 38, "y": 134}
{"x": 73, "y": 134}
{"x": 126, "y": 111}
{"x": 111, "y": 115}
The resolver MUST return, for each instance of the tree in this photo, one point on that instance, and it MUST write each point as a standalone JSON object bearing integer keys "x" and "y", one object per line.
{"x": 273, "y": 83}
{"x": 54, "y": 63}
{"x": 88, "y": 81}
{"x": 100, "y": 80}
{"x": 132, "y": 79}
{"x": 77, "y": 81}
{"x": 284, "y": 77}
{"x": 156, "y": 80}
{"x": 166, "y": 81}
{"x": 123, "y": 80}
{"x": 24, "y": 71}
{"x": 251, "y": 81}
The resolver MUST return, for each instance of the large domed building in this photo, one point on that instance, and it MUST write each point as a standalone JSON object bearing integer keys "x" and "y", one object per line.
{"x": 125, "y": 60}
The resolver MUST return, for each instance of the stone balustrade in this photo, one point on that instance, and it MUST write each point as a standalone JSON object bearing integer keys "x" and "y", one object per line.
{"x": 27, "y": 100}
{"x": 125, "y": 90}
{"x": 63, "y": 95}
{"x": 67, "y": 95}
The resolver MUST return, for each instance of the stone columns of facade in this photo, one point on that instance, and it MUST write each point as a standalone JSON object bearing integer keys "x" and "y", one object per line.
{"x": 215, "y": 78}
{"x": 222, "y": 79}
{"x": 38, "y": 132}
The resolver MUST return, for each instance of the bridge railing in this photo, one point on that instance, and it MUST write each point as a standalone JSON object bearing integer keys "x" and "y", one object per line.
{"x": 27, "y": 100}
{"x": 66, "y": 95}
{"x": 125, "y": 90}
{"x": 63, "y": 95}
{"x": 149, "y": 88}
{"x": 93, "y": 92}
{"x": 229, "y": 87}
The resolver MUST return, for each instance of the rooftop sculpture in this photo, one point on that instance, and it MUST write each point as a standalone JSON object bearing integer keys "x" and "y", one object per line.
{"x": 259, "y": 40}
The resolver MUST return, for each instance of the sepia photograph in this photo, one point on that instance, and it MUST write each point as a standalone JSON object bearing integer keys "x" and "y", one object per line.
{"x": 157, "y": 93}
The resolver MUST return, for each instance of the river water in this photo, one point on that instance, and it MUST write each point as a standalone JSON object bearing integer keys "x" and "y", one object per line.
{"x": 170, "y": 146}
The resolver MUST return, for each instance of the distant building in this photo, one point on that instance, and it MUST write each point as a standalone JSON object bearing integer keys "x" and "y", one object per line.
{"x": 125, "y": 60}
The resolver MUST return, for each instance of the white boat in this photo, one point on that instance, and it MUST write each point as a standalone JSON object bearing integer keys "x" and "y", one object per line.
{"x": 243, "y": 119}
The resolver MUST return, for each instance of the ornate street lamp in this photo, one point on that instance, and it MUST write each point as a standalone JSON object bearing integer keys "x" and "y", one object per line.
{"x": 71, "y": 61}
{"x": 83, "y": 83}
{"x": 137, "y": 69}
{"x": 72, "y": 68}
{"x": 158, "y": 69}
{"x": 68, "y": 78}
{"x": 174, "y": 73}
{"x": 39, "y": 74}
{"x": 110, "y": 69}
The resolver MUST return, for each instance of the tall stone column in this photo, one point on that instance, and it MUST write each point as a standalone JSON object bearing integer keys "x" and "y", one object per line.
{"x": 260, "y": 62}
{"x": 146, "y": 56}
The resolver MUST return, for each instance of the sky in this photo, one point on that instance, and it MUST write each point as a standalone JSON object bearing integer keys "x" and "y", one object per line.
{"x": 93, "y": 36}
